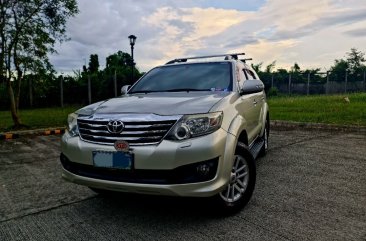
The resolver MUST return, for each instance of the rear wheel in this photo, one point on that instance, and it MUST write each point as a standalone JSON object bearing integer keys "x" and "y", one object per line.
{"x": 241, "y": 184}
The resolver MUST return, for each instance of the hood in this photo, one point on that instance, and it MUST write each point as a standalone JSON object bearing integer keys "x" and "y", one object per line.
{"x": 160, "y": 103}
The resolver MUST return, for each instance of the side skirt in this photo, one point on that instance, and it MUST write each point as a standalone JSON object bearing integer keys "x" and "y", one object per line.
{"x": 256, "y": 146}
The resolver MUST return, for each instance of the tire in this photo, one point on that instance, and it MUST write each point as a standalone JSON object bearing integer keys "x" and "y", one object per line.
{"x": 242, "y": 182}
{"x": 265, "y": 137}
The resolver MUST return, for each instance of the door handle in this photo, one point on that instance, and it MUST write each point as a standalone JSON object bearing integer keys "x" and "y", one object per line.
{"x": 255, "y": 102}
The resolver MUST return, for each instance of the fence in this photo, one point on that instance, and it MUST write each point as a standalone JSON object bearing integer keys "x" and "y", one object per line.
{"x": 65, "y": 91}
{"x": 68, "y": 91}
{"x": 319, "y": 83}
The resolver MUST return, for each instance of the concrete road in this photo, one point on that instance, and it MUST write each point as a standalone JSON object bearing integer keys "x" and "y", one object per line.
{"x": 310, "y": 186}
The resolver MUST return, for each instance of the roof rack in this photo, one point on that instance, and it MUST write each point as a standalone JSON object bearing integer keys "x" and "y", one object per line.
{"x": 245, "y": 60}
{"x": 227, "y": 57}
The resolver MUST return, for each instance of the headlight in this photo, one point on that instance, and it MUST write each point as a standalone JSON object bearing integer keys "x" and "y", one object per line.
{"x": 195, "y": 125}
{"x": 72, "y": 126}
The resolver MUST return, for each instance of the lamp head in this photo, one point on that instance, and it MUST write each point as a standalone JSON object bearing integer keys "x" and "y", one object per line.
{"x": 132, "y": 39}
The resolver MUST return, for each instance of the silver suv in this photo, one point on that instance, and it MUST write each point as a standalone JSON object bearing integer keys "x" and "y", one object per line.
{"x": 187, "y": 128}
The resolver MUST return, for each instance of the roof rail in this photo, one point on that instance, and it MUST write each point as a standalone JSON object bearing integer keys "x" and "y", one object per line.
{"x": 227, "y": 56}
{"x": 245, "y": 60}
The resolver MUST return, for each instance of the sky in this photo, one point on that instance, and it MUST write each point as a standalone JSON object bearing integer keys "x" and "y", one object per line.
{"x": 312, "y": 33}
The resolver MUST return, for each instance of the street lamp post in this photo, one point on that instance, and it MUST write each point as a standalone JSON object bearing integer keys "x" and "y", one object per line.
{"x": 132, "y": 43}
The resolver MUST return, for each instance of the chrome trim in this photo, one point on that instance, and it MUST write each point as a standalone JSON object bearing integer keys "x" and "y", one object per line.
{"x": 139, "y": 129}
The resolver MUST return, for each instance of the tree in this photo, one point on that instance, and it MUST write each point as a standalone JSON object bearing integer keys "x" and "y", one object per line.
{"x": 355, "y": 60}
{"x": 29, "y": 30}
{"x": 93, "y": 63}
{"x": 338, "y": 70}
{"x": 270, "y": 67}
{"x": 257, "y": 67}
{"x": 295, "y": 68}
{"x": 120, "y": 63}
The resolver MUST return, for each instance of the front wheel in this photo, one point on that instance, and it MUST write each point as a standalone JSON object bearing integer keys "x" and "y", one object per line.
{"x": 241, "y": 183}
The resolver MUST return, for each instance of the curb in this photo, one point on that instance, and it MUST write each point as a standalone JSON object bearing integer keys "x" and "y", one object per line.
{"x": 290, "y": 125}
{"x": 37, "y": 132}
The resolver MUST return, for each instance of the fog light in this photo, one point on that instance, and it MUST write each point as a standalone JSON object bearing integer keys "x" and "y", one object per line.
{"x": 203, "y": 169}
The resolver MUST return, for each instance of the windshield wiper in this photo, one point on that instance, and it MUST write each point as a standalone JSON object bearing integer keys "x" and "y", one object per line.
{"x": 170, "y": 90}
{"x": 186, "y": 90}
{"x": 143, "y": 91}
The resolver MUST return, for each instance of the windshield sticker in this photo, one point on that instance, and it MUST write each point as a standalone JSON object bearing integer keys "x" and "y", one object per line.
{"x": 219, "y": 89}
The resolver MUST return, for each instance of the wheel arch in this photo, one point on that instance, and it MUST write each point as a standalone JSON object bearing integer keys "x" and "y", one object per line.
{"x": 243, "y": 137}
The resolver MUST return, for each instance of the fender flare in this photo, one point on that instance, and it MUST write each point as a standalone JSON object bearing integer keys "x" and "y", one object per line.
{"x": 237, "y": 126}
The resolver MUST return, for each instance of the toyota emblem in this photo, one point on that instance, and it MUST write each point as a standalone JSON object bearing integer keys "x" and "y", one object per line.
{"x": 115, "y": 126}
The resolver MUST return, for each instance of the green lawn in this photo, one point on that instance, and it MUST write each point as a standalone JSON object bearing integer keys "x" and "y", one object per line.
{"x": 317, "y": 109}
{"x": 320, "y": 109}
{"x": 38, "y": 118}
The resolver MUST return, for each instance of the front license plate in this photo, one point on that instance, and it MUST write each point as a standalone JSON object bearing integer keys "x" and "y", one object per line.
{"x": 117, "y": 160}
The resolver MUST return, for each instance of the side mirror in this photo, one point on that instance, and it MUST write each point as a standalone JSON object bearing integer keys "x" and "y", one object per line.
{"x": 125, "y": 89}
{"x": 252, "y": 86}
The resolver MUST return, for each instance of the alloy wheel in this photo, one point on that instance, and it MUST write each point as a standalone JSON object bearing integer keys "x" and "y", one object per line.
{"x": 238, "y": 181}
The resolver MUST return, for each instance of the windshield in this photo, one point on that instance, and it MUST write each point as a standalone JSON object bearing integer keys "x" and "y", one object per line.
{"x": 186, "y": 77}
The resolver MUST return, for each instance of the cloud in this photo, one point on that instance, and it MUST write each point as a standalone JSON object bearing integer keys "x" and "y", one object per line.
{"x": 188, "y": 31}
{"x": 313, "y": 32}
{"x": 361, "y": 32}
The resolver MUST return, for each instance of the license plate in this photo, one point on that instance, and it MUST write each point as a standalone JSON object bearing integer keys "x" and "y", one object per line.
{"x": 117, "y": 160}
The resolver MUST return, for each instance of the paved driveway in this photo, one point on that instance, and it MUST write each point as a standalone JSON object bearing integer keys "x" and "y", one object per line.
{"x": 310, "y": 186}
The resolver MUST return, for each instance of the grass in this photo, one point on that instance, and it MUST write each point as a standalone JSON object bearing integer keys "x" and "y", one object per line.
{"x": 320, "y": 109}
{"x": 38, "y": 118}
{"x": 317, "y": 109}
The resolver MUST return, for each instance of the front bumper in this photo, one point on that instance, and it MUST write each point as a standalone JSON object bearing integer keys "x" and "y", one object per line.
{"x": 162, "y": 169}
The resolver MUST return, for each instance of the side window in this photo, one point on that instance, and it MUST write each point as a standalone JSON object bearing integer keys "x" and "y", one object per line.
{"x": 241, "y": 77}
{"x": 245, "y": 73}
{"x": 250, "y": 74}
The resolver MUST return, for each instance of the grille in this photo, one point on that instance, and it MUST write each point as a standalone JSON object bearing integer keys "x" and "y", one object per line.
{"x": 134, "y": 132}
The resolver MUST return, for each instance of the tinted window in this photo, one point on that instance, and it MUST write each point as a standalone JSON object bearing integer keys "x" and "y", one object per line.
{"x": 250, "y": 74}
{"x": 198, "y": 76}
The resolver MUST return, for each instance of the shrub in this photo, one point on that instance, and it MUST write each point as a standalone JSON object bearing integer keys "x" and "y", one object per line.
{"x": 273, "y": 91}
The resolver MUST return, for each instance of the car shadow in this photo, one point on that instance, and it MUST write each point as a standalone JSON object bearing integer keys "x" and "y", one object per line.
{"x": 155, "y": 206}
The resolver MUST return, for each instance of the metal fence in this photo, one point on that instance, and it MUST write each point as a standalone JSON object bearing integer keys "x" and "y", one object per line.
{"x": 319, "y": 83}
{"x": 63, "y": 91}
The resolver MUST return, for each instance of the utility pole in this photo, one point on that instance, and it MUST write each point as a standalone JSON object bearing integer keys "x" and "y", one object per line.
{"x": 345, "y": 82}
{"x": 327, "y": 85}
{"x": 89, "y": 89}
{"x": 289, "y": 84}
{"x": 115, "y": 83}
{"x": 272, "y": 81}
{"x": 308, "y": 85}
{"x": 62, "y": 90}
{"x": 30, "y": 92}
